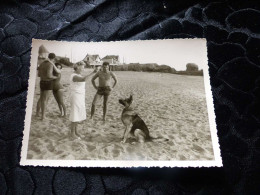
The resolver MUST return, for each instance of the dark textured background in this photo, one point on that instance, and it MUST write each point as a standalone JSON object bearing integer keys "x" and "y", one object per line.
{"x": 233, "y": 33}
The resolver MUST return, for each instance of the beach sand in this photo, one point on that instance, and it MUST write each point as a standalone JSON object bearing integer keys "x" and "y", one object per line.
{"x": 172, "y": 106}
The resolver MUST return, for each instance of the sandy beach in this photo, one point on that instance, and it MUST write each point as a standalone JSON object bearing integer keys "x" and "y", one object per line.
{"x": 172, "y": 106}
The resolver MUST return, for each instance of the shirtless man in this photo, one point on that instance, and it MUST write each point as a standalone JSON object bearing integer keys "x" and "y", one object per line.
{"x": 104, "y": 88}
{"x": 45, "y": 72}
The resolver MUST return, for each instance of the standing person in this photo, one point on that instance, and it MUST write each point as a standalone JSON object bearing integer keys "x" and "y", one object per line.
{"x": 104, "y": 88}
{"x": 77, "y": 98}
{"x": 58, "y": 91}
{"x": 45, "y": 72}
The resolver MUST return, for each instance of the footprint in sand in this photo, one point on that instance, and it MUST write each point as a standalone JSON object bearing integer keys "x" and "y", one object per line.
{"x": 197, "y": 148}
{"x": 130, "y": 149}
{"x": 182, "y": 157}
{"x": 90, "y": 148}
{"x": 115, "y": 153}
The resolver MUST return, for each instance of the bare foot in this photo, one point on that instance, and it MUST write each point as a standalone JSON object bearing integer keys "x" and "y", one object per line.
{"x": 92, "y": 121}
{"x": 74, "y": 137}
{"x": 45, "y": 117}
{"x": 76, "y": 133}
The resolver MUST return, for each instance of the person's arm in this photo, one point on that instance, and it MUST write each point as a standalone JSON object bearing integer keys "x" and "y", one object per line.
{"x": 38, "y": 72}
{"x": 50, "y": 72}
{"x": 55, "y": 68}
{"x": 115, "y": 79}
{"x": 93, "y": 80}
{"x": 89, "y": 75}
{"x": 78, "y": 78}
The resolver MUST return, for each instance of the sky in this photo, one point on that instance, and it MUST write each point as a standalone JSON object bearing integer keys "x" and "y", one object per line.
{"x": 172, "y": 52}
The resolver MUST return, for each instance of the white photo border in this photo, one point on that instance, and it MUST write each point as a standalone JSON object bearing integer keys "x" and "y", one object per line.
{"x": 217, "y": 162}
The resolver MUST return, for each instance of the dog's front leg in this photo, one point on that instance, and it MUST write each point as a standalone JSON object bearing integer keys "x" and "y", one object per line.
{"x": 126, "y": 133}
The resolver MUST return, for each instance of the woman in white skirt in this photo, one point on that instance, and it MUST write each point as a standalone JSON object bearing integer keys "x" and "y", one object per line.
{"x": 77, "y": 98}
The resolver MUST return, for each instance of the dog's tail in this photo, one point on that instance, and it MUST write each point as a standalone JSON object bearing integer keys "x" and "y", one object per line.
{"x": 160, "y": 139}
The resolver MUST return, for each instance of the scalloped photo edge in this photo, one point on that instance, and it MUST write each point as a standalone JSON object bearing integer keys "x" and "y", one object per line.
{"x": 150, "y": 87}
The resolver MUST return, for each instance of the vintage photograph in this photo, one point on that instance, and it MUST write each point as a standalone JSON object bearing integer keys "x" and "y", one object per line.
{"x": 120, "y": 104}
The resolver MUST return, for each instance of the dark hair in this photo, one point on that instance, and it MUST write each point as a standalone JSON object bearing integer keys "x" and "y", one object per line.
{"x": 51, "y": 56}
{"x": 75, "y": 66}
{"x": 58, "y": 64}
{"x": 106, "y": 63}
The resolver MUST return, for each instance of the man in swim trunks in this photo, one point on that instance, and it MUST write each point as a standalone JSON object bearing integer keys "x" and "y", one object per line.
{"x": 45, "y": 72}
{"x": 104, "y": 88}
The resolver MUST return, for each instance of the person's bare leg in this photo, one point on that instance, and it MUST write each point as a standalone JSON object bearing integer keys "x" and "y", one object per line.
{"x": 44, "y": 99}
{"x": 47, "y": 100}
{"x": 38, "y": 108}
{"x": 105, "y": 107}
{"x": 64, "y": 109}
{"x": 76, "y": 132}
{"x": 93, "y": 107}
{"x": 55, "y": 94}
{"x": 61, "y": 102}
{"x": 73, "y": 130}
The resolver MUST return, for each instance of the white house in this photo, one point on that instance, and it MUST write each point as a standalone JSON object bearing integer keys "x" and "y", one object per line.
{"x": 93, "y": 60}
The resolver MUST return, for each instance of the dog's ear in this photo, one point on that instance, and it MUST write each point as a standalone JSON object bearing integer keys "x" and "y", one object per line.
{"x": 131, "y": 99}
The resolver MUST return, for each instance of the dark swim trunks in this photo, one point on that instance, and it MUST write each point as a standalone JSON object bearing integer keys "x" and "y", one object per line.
{"x": 46, "y": 85}
{"x": 104, "y": 90}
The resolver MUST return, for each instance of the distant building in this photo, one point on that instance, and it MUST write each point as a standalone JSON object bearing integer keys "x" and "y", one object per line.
{"x": 92, "y": 60}
{"x": 111, "y": 59}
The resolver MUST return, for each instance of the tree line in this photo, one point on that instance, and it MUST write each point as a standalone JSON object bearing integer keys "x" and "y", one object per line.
{"x": 144, "y": 68}
{"x": 191, "y": 69}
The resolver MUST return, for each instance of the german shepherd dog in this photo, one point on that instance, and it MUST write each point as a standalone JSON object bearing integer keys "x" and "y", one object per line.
{"x": 133, "y": 122}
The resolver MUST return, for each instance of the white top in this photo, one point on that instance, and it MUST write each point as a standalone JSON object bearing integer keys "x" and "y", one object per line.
{"x": 77, "y": 87}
